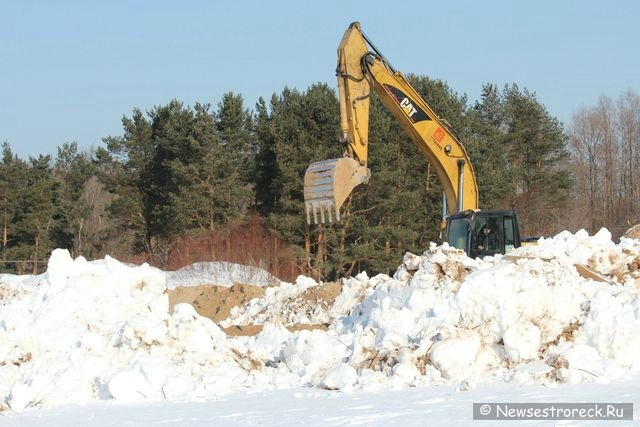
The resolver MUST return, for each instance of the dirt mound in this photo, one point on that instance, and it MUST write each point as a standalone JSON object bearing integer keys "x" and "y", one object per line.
{"x": 216, "y": 302}
{"x": 633, "y": 232}
{"x": 250, "y": 330}
{"x": 213, "y": 301}
{"x": 324, "y": 294}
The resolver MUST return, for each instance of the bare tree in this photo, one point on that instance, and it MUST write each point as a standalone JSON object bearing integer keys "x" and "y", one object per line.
{"x": 586, "y": 139}
{"x": 91, "y": 229}
{"x": 628, "y": 129}
{"x": 605, "y": 144}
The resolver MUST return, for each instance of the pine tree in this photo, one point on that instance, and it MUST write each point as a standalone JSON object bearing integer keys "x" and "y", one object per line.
{"x": 487, "y": 149}
{"x": 537, "y": 148}
{"x": 35, "y": 215}
{"x": 266, "y": 165}
{"x": 124, "y": 170}
{"x": 173, "y": 148}
{"x": 71, "y": 172}
{"x": 194, "y": 197}
{"x": 235, "y": 162}
{"x": 13, "y": 185}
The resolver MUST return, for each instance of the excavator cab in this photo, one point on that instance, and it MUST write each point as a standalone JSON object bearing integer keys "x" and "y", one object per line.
{"x": 483, "y": 233}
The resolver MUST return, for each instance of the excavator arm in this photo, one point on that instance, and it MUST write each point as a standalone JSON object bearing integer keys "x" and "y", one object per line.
{"x": 361, "y": 68}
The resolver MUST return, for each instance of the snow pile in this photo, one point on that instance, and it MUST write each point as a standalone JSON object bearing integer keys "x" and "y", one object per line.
{"x": 219, "y": 273}
{"x": 101, "y": 330}
{"x": 285, "y": 304}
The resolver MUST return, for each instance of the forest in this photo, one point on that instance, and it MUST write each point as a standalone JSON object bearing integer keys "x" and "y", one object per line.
{"x": 187, "y": 183}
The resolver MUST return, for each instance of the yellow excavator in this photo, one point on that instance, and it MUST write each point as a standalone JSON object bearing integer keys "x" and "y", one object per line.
{"x": 328, "y": 183}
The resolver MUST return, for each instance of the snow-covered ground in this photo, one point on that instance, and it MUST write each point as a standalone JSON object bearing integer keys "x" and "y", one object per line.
{"x": 93, "y": 342}
{"x": 434, "y": 405}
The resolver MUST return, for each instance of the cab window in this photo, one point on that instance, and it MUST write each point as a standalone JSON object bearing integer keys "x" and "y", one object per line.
{"x": 509, "y": 235}
{"x": 486, "y": 236}
{"x": 457, "y": 233}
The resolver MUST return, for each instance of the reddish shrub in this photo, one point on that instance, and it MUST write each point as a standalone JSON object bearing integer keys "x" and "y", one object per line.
{"x": 247, "y": 243}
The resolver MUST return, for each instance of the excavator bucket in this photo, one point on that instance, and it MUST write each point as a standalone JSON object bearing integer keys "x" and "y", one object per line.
{"x": 328, "y": 183}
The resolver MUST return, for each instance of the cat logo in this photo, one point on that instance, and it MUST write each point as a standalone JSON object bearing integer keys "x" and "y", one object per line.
{"x": 408, "y": 107}
{"x": 414, "y": 113}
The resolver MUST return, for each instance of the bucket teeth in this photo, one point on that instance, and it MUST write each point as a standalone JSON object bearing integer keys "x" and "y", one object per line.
{"x": 322, "y": 208}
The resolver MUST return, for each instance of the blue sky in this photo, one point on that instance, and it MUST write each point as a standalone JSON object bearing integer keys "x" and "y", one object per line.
{"x": 69, "y": 70}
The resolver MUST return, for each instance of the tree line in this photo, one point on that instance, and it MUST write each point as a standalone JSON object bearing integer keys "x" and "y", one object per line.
{"x": 182, "y": 173}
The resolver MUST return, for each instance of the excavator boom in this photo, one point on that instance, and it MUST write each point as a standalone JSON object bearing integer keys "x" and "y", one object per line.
{"x": 361, "y": 69}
